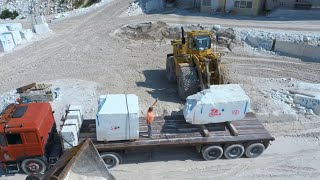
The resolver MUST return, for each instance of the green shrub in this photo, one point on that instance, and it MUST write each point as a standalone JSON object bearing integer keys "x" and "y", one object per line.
{"x": 5, "y": 14}
{"x": 78, "y": 3}
{"x": 91, "y": 2}
{"x": 84, "y": 3}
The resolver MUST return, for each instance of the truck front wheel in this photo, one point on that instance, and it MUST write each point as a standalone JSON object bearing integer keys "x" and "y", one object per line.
{"x": 33, "y": 166}
{"x": 111, "y": 159}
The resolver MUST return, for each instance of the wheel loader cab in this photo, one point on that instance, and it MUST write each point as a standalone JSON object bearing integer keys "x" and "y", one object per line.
{"x": 201, "y": 43}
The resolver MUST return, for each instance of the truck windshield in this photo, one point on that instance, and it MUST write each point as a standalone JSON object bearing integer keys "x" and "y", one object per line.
{"x": 202, "y": 43}
{"x": 3, "y": 141}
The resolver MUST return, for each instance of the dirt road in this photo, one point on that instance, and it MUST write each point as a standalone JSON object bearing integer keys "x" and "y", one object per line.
{"x": 82, "y": 48}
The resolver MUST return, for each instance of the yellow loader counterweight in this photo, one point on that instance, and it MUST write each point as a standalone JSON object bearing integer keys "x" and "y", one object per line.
{"x": 193, "y": 64}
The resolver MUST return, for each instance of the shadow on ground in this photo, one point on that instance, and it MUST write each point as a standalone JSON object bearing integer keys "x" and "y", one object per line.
{"x": 159, "y": 86}
{"x": 161, "y": 154}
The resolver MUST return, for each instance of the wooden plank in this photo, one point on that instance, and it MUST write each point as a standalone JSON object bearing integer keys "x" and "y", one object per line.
{"x": 232, "y": 129}
{"x": 24, "y": 88}
{"x": 256, "y": 127}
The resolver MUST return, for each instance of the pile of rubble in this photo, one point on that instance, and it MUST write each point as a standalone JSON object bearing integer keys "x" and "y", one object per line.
{"x": 301, "y": 45}
{"x": 303, "y": 97}
{"x": 301, "y": 103}
{"x": 150, "y": 31}
{"x": 38, "y": 93}
{"x": 30, "y": 93}
{"x": 263, "y": 36}
{"x": 226, "y": 37}
{"x": 158, "y": 31}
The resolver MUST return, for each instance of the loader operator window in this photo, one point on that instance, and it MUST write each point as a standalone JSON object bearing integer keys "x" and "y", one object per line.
{"x": 13, "y": 139}
{"x": 202, "y": 43}
{"x": 2, "y": 140}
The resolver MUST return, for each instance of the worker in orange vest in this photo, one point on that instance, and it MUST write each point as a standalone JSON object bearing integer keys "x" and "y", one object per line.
{"x": 150, "y": 118}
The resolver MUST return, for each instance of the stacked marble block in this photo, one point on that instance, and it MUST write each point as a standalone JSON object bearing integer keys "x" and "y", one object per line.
{"x": 11, "y": 35}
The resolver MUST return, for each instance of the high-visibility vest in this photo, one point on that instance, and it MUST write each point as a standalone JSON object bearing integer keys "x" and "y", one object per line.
{"x": 150, "y": 117}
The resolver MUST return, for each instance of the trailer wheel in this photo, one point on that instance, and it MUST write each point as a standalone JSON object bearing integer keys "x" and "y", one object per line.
{"x": 170, "y": 69}
{"x": 33, "y": 166}
{"x": 234, "y": 151}
{"x": 254, "y": 150}
{"x": 111, "y": 159}
{"x": 211, "y": 152}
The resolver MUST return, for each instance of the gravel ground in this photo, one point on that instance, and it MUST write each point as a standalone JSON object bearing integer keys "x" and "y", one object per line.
{"x": 83, "y": 49}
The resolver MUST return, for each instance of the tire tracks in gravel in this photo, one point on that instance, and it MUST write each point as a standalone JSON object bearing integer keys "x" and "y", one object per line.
{"x": 54, "y": 45}
{"x": 273, "y": 66}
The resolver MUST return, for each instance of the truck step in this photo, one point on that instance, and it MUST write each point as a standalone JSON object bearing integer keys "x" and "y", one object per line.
{"x": 12, "y": 168}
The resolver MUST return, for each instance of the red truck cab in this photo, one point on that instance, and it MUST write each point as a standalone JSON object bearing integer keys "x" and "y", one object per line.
{"x": 27, "y": 135}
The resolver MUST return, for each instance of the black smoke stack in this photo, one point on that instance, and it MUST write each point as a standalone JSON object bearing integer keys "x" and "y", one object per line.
{"x": 182, "y": 36}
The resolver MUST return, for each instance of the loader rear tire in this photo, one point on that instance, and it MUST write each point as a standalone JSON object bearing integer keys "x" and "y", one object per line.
{"x": 170, "y": 69}
{"x": 111, "y": 159}
{"x": 188, "y": 82}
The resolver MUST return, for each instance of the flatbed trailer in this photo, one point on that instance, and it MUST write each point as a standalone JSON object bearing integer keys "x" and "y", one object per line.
{"x": 251, "y": 139}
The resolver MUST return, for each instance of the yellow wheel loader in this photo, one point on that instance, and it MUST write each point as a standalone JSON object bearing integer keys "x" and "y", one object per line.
{"x": 194, "y": 65}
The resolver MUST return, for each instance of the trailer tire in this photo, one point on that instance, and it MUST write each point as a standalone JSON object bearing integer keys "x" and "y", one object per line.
{"x": 234, "y": 151}
{"x": 211, "y": 152}
{"x": 170, "y": 69}
{"x": 111, "y": 159}
{"x": 34, "y": 166}
{"x": 254, "y": 150}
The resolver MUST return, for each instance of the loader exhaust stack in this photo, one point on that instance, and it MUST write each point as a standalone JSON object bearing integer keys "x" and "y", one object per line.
{"x": 183, "y": 39}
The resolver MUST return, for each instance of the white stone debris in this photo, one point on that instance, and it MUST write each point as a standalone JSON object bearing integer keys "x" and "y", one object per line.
{"x": 7, "y": 98}
{"x": 303, "y": 97}
{"x": 136, "y": 8}
{"x": 303, "y": 45}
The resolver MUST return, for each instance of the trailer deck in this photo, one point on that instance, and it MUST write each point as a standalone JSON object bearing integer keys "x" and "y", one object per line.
{"x": 174, "y": 130}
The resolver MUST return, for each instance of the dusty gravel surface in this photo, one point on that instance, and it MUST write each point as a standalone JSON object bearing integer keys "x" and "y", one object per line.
{"x": 85, "y": 48}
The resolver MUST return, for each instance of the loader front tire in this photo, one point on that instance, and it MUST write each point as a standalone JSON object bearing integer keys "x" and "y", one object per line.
{"x": 170, "y": 69}
{"x": 188, "y": 82}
